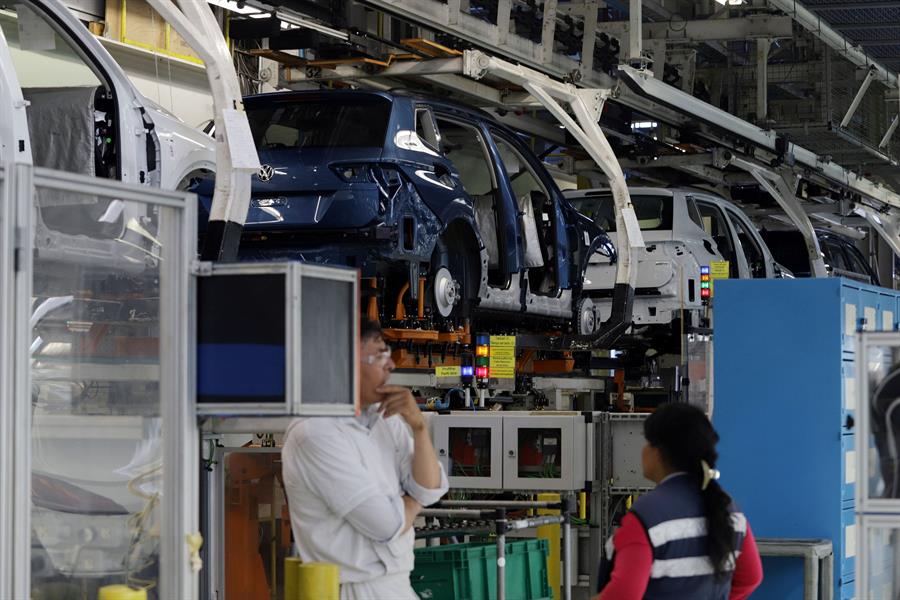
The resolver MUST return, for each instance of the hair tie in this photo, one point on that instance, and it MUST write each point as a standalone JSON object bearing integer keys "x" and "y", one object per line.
{"x": 709, "y": 474}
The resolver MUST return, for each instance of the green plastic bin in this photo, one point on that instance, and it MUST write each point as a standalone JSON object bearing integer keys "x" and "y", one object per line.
{"x": 469, "y": 571}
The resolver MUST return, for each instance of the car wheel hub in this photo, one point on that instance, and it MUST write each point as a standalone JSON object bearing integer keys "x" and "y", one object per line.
{"x": 446, "y": 292}
{"x": 586, "y": 318}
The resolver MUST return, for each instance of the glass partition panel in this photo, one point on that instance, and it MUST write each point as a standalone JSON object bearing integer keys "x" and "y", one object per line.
{"x": 880, "y": 558}
{"x": 96, "y": 387}
{"x": 878, "y": 414}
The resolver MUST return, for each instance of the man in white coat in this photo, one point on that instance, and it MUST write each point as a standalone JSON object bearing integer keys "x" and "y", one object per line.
{"x": 356, "y": 484}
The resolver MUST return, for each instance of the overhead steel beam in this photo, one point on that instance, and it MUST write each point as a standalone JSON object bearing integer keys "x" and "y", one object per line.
{"x": 858, "y": 5}
{"x": 640, "y": 82}
{"x": 890, "y": 42}
{"x": 863, "y": 87}
{"x": 888, "y": 24}
{"x": 740, "y": 28}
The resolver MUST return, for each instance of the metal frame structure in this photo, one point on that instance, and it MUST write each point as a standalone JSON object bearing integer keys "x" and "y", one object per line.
{"x": 871, "y": 513}
{"x": 867, "y": 524}
{"x": 19, "y": 500}
{"x": 236, "y": 157}
{"x": 179, "y": 513}
{"x": 7, "y": 351}
{"x": 864, "y": 342}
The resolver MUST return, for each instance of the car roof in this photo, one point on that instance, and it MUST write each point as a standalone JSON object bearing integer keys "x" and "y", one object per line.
{"x": 306, "y": 94}
{"x": 642, "y": 191}
{"x": 436, "y": 102}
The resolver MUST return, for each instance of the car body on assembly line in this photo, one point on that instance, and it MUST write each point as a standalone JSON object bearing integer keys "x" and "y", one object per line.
{"x": 407, "y": 187}
{"x": 842, "y": 257}
{"x": 68, "y": 106}
{"x": 684, "y": 231}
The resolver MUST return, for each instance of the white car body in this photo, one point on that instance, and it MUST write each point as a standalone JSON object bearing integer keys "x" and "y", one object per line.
{"x": 669, "y": 265}
{"x": 141, "y": 125}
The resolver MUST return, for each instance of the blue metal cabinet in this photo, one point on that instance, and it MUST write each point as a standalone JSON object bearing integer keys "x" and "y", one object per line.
{"x": 784, "y": 389}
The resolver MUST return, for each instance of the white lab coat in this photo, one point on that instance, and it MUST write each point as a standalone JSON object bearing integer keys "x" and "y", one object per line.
{"x": 332, "y": 466}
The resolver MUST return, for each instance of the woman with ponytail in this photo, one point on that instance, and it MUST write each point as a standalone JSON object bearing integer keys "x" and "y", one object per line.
{"x": 686, "y": 539}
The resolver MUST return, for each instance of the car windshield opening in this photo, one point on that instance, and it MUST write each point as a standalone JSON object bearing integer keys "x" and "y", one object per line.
{"x": 320, "y": 123}
{"x": 654, "y": 213}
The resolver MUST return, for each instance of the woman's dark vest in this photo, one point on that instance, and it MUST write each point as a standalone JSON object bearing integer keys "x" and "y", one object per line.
{"x": 674, "y": 517}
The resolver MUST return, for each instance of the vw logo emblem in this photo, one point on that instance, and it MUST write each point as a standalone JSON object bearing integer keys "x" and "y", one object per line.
{"x": 266, "y": 172}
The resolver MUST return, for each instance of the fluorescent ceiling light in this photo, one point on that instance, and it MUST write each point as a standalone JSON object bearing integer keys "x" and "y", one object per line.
{"x": 293, "y": 18}
{"x": 644, "y": 125}
{"x": 730, "y": 2}
{"x": 232, "y": 5}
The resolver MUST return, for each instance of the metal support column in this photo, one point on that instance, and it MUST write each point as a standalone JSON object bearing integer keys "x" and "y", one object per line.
{"x": 889, "y": 133}
{"x": 548, "y": 30}
{"x": 860, "y": 93}
{"x": 504, "y": 9}
{"x": 569, "y": 508}
{"x": 501, "y": 525}
{"x": 635, "y": 32}
{"x": 763, "y": 45}
{"x": 590, "y": 35}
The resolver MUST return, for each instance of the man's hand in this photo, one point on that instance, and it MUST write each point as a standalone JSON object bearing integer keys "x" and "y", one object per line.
{"x": 398, "y": 400}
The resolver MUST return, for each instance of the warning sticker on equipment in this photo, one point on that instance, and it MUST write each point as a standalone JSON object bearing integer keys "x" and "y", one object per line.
{"x": 446, "y": 371}
{"x": 718, "y": 269}
{"x": 503, "y": 357}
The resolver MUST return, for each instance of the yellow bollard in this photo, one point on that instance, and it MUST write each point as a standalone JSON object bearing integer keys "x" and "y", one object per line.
{"x": 291, "y": 575}
{"x": 551, "y": 533}
{"x": 318, "y": 581}
{"x": 121, "y": 592}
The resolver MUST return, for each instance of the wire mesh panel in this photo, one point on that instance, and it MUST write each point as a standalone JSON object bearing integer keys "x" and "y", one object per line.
{"x": 107, "y": 265}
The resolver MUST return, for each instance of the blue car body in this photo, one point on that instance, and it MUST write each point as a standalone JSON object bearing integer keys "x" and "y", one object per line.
{"x": 365, "y": 179}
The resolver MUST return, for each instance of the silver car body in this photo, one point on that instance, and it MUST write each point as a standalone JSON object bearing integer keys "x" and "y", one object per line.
{"x": 669, "y": 265}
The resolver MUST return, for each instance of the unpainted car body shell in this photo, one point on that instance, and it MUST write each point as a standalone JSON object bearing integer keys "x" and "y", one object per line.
{"x": 668, "y": 279}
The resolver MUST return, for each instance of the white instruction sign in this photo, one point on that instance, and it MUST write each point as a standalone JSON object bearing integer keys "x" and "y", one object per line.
{"x": 240, "y": 140}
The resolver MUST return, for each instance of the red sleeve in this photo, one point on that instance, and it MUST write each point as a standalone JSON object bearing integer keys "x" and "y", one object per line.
{"x": 633, "y": 560}
{"x": 748, "y": 572}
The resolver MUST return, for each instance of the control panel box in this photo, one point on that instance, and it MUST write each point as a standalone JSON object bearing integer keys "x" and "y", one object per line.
{"x": 541, "y": 450}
